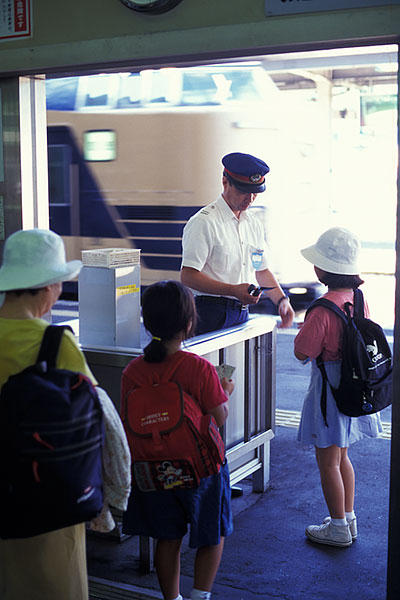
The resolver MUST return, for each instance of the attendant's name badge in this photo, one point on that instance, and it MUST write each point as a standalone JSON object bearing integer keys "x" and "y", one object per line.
{"x": 256, "y": 258}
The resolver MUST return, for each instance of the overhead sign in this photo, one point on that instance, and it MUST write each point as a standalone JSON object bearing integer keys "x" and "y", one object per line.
{"x": 289, "y": 7}
{"x": 15, "y": 19}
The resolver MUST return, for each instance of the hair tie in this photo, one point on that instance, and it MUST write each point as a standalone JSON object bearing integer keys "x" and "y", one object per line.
{"x": 158, "y": 339}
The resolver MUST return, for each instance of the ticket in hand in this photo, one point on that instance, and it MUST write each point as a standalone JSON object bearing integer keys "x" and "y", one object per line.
{"x": 225, "y": 371}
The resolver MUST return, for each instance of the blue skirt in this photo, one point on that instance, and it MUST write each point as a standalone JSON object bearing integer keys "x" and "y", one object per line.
{"x": 342, "y": 430}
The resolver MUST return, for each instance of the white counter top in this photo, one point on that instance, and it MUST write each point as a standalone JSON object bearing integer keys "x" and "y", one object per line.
{"x": 202, "y": 344}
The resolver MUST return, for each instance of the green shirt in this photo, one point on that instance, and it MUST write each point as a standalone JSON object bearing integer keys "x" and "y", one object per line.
{"x": 19, "y": 346}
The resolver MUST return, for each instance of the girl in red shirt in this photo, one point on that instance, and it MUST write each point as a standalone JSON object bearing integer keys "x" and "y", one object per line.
{"x": 169, "y": 315}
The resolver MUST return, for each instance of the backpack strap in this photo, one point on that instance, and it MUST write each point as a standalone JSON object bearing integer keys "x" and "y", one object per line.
{"x": 330, "y": 305}
{"x": 358, "y": 311}
{"x": 50, "y": 344}
{"x": 358, "y": 303}
{"x": 321, "y": 367}
{"x": 319, "y": 362}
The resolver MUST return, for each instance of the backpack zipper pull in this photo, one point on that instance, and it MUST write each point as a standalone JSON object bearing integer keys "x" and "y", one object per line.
{"x": 37, "y": 437}
{"x": 35, "y": 470}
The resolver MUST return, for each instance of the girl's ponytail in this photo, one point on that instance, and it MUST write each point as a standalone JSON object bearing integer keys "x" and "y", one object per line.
{"x": 155, "y": 351}
{"x": 168, "y": 309}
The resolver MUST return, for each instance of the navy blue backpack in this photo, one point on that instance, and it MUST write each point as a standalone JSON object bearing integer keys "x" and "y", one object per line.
{"x": 366, "y": 371}
{"x": 51, "y": 447}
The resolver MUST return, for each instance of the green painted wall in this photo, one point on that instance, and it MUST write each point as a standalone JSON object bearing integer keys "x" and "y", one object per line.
{"x": 92, "y": 33}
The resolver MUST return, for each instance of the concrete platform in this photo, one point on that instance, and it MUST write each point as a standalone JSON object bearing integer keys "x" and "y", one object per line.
{"x": 267, "y": 556}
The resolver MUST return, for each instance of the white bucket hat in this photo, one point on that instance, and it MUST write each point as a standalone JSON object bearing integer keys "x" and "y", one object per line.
{"x": 336, "y": 251}
{"x": 34, "y": 258}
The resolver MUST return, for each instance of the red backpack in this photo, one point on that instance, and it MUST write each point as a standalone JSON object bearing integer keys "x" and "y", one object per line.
{"x": 173, "y": 444}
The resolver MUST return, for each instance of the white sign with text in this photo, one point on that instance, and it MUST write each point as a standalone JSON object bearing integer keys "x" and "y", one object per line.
{"x": 287, "y": 7}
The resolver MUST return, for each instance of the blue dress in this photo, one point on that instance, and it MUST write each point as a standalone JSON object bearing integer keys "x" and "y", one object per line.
{"x": 342, "y": 430}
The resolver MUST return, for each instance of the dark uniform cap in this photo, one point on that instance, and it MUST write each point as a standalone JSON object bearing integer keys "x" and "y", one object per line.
{"x": 245, "y": 172}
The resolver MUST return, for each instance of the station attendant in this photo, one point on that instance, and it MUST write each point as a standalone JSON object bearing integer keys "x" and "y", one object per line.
{"x": 225, "y": 252}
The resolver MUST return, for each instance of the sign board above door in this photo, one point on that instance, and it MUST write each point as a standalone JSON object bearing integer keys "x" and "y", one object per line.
{"x": 289, "y": 7}
{"x": 15, "y": 19}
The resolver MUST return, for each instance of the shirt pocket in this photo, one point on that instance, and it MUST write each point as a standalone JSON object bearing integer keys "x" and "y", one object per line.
{"x": 219, "y": 258}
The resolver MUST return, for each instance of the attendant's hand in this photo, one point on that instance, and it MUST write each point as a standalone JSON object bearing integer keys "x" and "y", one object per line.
{"x": 286, "y": 313}
{"x": 242, "y": 294}
{"x": 227, "y": 385}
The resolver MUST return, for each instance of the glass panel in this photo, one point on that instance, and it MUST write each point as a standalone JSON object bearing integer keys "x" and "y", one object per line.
{"x": 159, "y": 87}
{"x": 198, "y": 88}
{"x": 130, "y": 91}
{"x": 99, "y": 91}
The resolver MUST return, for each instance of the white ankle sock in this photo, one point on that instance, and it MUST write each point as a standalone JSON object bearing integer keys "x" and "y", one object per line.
{"x": 200, "y": 595}
{"x": 178, "y": 597}
{"x": 340, "y": 522}
{"x": 350, "y": 515}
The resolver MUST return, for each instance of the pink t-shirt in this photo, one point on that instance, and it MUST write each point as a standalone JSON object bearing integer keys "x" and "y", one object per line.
{"x": 322, "y": 330}
{"x": 196, "y": 375}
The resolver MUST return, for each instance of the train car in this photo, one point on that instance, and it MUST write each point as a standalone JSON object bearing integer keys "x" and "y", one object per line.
{"x": 133, "y": 155}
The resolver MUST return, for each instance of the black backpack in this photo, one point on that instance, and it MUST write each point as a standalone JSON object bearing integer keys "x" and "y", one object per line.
{"x": 51, "y": 444}
{"x": 366, "y": 371}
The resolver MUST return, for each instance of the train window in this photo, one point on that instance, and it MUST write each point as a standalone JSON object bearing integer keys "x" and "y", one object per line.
{"x": 130, "y": 91}
{"x": 222, "y": 86}
{"x": 243, "y": 86}
{"x": 157, "y": 91}
{"x": 98, "y": 91}
{"x": 199, "y": 88}
{"x": 171, "y": 86}
{"x": 59, "y": 159}
{"x": 161, "y": 87}
{"x": 100, "y": 145}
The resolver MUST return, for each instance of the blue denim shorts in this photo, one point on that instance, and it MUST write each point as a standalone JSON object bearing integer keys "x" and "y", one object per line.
{"x": 167, "y": 514}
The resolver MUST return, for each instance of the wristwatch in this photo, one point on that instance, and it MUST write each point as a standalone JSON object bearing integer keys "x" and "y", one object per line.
{"x": 281, "y": 299}
{"x": 151, "y": 6}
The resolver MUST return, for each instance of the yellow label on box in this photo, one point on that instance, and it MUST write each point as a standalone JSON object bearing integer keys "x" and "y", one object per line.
{"x": 127, "y": 289}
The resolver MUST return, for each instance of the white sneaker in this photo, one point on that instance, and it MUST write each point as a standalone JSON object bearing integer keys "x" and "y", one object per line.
{"x": 352, "y": 524}
{"x": 332, "y": 535}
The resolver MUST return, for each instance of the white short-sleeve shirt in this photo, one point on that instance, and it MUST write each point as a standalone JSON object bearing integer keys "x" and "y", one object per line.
{"x": 224, "y": 247}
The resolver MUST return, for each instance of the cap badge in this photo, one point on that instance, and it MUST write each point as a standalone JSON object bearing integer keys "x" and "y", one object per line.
{"x": 255, "y": 178}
